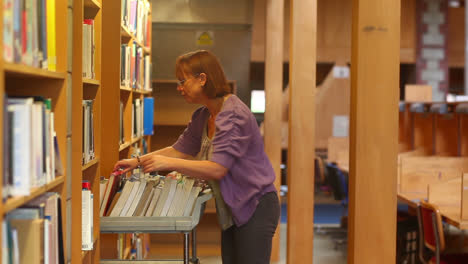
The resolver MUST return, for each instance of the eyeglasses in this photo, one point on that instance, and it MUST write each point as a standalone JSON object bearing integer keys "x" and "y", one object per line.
{"x": 182, "y": 82}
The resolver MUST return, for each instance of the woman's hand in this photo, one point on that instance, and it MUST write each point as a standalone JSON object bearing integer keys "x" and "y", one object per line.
{"x": 155, "y": 163}
{"x": 126, "y": 164}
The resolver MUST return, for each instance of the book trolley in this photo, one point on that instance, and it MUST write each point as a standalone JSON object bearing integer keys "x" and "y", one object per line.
{"x": 160, "y": 224}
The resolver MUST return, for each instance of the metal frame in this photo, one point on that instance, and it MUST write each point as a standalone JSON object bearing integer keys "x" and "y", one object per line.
{"x": 161, "y": 224}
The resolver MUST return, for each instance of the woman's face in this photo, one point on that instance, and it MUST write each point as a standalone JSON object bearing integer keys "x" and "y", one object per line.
{"x": 191, "y": 88}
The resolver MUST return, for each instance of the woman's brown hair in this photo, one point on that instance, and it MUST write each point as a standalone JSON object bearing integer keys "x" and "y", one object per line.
{"x": 203, "y": 61}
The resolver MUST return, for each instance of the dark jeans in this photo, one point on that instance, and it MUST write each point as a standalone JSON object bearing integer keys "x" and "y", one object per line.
{"x": 251, "y": 242}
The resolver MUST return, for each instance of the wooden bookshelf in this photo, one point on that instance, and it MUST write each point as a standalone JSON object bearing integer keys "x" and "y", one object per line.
{"x": 114, "y": 36}
{"x": 90, "y": 164}
{"x": 124, "y": 146}
{"x": 17, "y": 79}
{"x": 126, "y": 89}
{"x": 15, "y": 202}
{"x": 24, "y": 71}
{"x": 92, "y": 82}
{"x": 86, "y": 89}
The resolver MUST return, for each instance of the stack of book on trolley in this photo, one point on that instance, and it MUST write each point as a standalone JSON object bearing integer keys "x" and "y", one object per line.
{"x": 151, "y": 198}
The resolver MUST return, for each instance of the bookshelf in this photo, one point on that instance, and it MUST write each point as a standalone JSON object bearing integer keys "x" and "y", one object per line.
{"x": 19, "y": 79}
{"x": 116, "y": 92}
{"x": 86, "y": 88}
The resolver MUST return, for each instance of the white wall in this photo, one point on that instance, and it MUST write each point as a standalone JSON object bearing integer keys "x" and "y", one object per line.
{"x": 202, "y": 11}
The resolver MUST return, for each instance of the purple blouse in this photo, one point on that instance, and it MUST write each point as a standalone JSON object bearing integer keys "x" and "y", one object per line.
{"x": 237, "y": 146}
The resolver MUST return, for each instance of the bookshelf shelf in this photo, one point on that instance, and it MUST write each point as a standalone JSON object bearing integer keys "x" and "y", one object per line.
{"x": 165, "y": 81}
{"x": 141, "y": 91}
{"x": 16, "y": 202}
{"x": 14, "y": 69}
{"x": 90, "y": 164}
{"x": 126, "y": 36}
{"x": 125, "y": 33}
{"x": 93, "y": 82}
{"x": 126, "y": 89}
{"x": 135, "y": 140}
{"x": 125, "y": 145}
{"x": 84, "y": 253}
{"x": 93, "y": 4}
{"x": 91, "y": 8}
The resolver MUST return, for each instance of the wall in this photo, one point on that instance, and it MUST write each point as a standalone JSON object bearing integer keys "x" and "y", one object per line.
{"x": 203, "y": 11}
{"x": 176, "y": 24}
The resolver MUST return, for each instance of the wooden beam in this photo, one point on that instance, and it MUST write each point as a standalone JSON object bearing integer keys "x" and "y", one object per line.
{"x": 301, "y": 151}
{"x": 273, "y": 94}
{"x": 374, "y": 131}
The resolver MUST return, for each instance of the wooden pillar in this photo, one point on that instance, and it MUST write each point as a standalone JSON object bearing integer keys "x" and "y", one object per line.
{"x": 374, "y": 131}
{"x": 110, "y": 85}
{"x": 301, "y": 151}
{"x": 273, "y": 94}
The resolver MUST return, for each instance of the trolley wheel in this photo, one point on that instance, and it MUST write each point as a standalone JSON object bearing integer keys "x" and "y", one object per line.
{"x": 195, "y": 261}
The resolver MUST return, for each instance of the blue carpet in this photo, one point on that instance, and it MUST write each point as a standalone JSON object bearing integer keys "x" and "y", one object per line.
{"x": 323, "y": 213}
{"x": 328, "y": 213}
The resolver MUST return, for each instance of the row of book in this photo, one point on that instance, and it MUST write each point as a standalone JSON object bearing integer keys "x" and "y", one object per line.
{"x": 31, "y": 153}
{"x": 142, "y": 118}
{"x": 29, "y": 33}
{"x": 88, "y": 131}
{"x": 88, "y": 49}
{"x": 32, "y": 233}
{"x": 135, "y": 67}
{"x": 135, "y": 17}
{"x": 150, "y": 196}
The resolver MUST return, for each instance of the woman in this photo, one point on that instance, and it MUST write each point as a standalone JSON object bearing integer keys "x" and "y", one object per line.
{"x": 222, "y": 144}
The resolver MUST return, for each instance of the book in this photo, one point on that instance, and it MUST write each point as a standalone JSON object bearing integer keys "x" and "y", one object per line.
{"x": 102, "y": 189}
{"x": 123, "y": 199}
{"x": 165, "y": 187}
{"x": 144, "y": 198}
{"x": 86, "y": 220}
{"x": 130, "y": 198}
{"x": 30, "y": 239}
{"x": 51, "y": 36}
{"x": 57, "y": 161}
{"x": 148, "y": 116}
{"x": 23, "y": 170}
{"x": 154, "y": 200}
{"x": 112, "y": 187}
{"x": 184, "y": 196}
{"x": 17, "y": 30}
{"x": 170, "y": 197}
{"x": 8, "y": 30}
{"x": 191, "y": 200}
{"x": 137, "y": 197}
{"x": 114, "y": 201}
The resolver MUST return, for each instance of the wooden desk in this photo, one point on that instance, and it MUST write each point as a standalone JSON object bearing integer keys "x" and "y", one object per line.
{"x": 450, "y": 213}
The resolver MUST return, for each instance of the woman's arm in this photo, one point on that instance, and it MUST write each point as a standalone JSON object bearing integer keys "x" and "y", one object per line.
{"x": 202, "y": 169}
{"x": 130, "y": 164}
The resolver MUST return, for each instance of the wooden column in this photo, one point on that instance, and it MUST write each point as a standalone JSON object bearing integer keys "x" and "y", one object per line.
{"x": 110, "y": 85}
{"x": 273, "y": 94}
{"x": 301, "y": 151}
{"x": 374, "y": 131}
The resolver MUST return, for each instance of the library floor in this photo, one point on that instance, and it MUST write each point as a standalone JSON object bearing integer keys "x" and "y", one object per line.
{"x": 324, "y": 251}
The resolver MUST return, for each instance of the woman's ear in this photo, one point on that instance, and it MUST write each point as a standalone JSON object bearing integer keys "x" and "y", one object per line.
{"x": 202, "y": 78}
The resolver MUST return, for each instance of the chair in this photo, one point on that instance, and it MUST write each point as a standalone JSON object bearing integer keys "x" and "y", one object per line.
{"x": 432, "y": 236}
{"x": 338, "y": 182}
